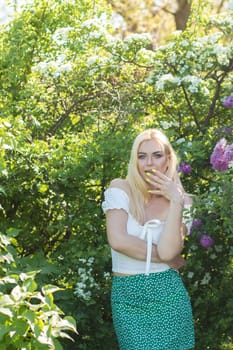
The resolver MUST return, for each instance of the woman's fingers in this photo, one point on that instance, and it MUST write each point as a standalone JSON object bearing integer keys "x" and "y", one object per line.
{"x": 157, "y": 177}
{"x": 162, "y": 185}
{"x": 159, "y": 180}
{"x": 161, "y": 175}
{"x": 177, "y": 263}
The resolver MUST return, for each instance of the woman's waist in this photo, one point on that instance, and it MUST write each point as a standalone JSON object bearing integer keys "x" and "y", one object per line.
{"x": 121, "y": 271}
{"x": 128, "y": 267}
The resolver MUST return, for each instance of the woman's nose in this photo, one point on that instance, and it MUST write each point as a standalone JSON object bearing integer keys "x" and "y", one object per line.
{"x": 149, "y": 160}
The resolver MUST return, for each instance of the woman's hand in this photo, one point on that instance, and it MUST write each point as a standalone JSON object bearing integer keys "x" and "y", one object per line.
{"x": 177, "y": 263}
{"x": 162, "y": 185}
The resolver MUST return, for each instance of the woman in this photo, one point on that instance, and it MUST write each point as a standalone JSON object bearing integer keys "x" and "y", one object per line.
{"x": 150, "y": 306}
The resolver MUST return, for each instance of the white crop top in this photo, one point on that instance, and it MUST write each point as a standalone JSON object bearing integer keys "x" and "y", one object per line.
{"x": 115, "y": 198}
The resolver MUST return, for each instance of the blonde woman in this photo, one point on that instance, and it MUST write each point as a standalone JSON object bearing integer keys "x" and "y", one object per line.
{"x": 150, "y": 306}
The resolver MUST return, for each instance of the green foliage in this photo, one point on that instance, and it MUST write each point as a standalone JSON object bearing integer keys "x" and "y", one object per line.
{"x": 29, "y": 318}
{"x": 73, "y": 96}
{"x": 209, "y": 274}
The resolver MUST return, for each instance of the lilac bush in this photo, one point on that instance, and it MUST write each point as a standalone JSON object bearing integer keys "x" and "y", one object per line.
{"x": 196, "y": 223}
{"x": 228, "y": 155}
{"x": 206, "y": 241}
{"x": 222, "y": 155}
{"x": 185, "y": 168}
{"x": 228, "y": 102}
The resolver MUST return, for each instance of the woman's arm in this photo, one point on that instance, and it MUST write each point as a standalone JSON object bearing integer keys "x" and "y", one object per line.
{"x": 172, "y": 238}
{"x": 171, "y": 241}
{"x": 132, "y": 246}
{"x": 121, "y": 241}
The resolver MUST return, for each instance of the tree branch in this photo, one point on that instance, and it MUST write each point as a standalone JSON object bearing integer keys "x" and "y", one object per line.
{"x": 217, "y": 94}
{"x": 62, "y": 119}
{"x": 191, "y": 108}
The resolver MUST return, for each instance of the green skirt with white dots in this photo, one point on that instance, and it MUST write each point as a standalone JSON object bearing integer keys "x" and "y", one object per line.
{"x": 152, "y": 312}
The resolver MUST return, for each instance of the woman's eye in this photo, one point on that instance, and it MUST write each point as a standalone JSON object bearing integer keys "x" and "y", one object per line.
{"x": 141, "y": 156}
{"x": 157, "y": 155}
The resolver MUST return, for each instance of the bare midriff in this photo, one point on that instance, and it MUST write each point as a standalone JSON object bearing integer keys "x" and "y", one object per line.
{"x": 122, "y": 274}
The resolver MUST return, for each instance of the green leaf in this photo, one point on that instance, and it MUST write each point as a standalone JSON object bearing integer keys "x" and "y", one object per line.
{"x": 6, "y": 300}
{"x": 3, "y": 330}
{"x": 13, "y": 232}
{"x": 2, "y": 190}
{"x": 21, "y": 326}
{"x": 6, "y": 311}
{"x": 70, "y": 323}
{"x": 57, "y": 345}
{"x": 49, "y": 288}
{"x": 30, "y": 285}
{"x": 17, "y": 293}
{"x": 30, "y": 316}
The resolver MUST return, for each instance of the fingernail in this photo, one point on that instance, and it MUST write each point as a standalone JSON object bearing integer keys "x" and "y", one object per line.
{"x": 154, "y": 171}
{"x": 147, "y": 179}
{"x": 149, "y": 191}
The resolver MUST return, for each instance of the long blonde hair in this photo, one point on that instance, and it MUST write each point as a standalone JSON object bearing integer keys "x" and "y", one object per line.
{"x": 139, "y": 195}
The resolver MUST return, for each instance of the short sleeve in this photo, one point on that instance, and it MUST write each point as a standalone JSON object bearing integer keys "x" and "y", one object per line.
{"x": 187, "y": 218}
{"x": 115, "y": 198}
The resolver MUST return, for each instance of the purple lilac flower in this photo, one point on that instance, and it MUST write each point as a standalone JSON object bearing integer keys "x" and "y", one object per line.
{"x": 185, "y": 168}
{"x": 196, "y": 223}
{"x": 228, "y": 154}
{"x": 228, "y": 102}
{"x": 217, "y": 158}
{"x": 206, "y": 241}
{"x": 228, "y": 130}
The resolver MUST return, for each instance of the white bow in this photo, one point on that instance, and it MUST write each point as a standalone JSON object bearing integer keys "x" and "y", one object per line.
{"x": 147, "y": 234}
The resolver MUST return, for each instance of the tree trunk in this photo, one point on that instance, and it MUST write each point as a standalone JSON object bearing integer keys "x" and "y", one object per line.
{"x": 182, "y": 14}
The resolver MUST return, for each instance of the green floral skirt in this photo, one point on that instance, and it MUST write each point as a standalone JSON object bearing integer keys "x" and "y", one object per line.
{"x": 152, "y": 312}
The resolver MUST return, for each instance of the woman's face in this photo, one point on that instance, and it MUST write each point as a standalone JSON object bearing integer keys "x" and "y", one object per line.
{"x": 151, "y": 155}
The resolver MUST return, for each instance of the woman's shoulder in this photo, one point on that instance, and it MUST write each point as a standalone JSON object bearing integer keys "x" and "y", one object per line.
{"x": 116, "y": 196}
{"x": 122, "y": 184}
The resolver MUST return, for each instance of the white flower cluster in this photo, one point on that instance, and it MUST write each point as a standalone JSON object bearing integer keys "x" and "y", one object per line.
{"x": 97, "y": 64}
{"x": 184, "y": 43}
{"x": 180, "y": 141}
{"x": 96, "y": 22}
{"x": 190, "y": 274}
{"x": 144, "y": 37}
{"x": 210, "y": 50}
{"x": 223, "y": 21}
{"x": 60, "y": 36}
{"x": 86, "y": 281}
{"x": 118, "y": 22}
{"x": 165, "y": 48}
{"x": 193, "y": 83}
{"x": 95, "y": 34}
{"x": 166, "y": 78}
{"x": 53, "y": 68}
{"x": 147, "y": 56}
{"x": 166, "y": 125}
{"x": 207, "y": 40}
{"x": 206, "y": 279}
{"x": 134, "y": 43}
{"x": 223, "y": 54}
{"x": 93, "y": 60}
